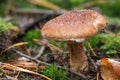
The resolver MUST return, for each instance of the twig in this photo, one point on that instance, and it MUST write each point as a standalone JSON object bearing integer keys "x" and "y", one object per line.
{"x": 40, "y": 51}
{"x": 92, "y": 65}
{"x": 37, "y": 11}
{"x": 21, "y": 54}
{"x": 97, "y": 75}
{"x": 51, "y": 46}
{"x": 91, "y": 48}
{"x": 79, "y": 74}
{"x": 17, "y": 75}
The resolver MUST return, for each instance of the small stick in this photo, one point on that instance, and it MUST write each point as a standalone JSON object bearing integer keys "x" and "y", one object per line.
{"x": 91, "y": 49}
{"x": 91, "y": 63}
{"x": 40, "y": 51}
{"x": 97, "y": 75}
{"x": 37, "y": 11}
{"x": 21, "y": 54}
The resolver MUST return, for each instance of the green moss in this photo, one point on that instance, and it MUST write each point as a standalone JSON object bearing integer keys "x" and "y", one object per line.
{"x": 30, "y": 35}
{"x": 55, "y": 74}
{"x": 110, "y": 43}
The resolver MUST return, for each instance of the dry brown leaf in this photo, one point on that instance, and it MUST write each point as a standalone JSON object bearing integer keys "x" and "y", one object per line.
{"x": 116, "y": 67}
{"x": 107, "y": 71}
{"x": 45, "y": 3}
{"x": 14, "y": 68}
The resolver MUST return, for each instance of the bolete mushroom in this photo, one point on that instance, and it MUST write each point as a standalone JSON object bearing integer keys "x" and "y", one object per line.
{"x": 74, "y": 27}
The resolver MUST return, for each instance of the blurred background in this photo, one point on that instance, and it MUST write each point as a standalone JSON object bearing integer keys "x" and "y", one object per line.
{"x": 107, "y": 7}
{"x": 30, "y": 9}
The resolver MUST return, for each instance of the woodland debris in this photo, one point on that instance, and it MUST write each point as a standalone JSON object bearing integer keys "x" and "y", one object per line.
{"x": 15, "y": 68}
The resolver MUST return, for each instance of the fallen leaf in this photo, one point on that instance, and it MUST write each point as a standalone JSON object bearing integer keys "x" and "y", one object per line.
{"x": 106, "y": 70}
{"x": 116, "y": 67}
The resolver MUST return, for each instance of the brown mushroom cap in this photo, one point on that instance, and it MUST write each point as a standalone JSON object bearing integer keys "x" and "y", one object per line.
{"x": 73, "y": 25}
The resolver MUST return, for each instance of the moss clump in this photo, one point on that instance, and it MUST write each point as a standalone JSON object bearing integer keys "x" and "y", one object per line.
{"x": 55, "y": 74}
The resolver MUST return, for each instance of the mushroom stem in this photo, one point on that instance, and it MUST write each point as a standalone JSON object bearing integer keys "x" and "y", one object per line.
{"x": 78, "y": 58}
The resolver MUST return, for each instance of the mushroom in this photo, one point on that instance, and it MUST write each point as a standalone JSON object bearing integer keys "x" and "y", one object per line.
{"x": 74, "y": 27}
